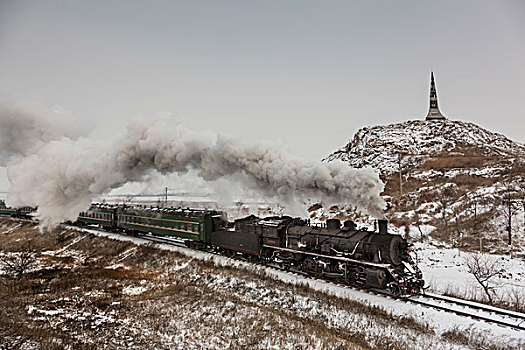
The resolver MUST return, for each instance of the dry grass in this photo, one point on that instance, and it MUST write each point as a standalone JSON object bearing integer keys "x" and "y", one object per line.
{"x": 82, "y": 297}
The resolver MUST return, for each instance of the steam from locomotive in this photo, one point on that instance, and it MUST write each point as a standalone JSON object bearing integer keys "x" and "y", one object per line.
{"x": 23, "y": 130}
{"x": 64, "y": 175}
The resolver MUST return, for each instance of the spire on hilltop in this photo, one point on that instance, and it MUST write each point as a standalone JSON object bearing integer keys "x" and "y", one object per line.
{"x": 433, "y": 111}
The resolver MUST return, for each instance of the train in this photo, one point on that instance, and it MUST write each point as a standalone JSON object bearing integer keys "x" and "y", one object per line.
{"x": 334, "y": 250}
{"x": 21, "y": 212}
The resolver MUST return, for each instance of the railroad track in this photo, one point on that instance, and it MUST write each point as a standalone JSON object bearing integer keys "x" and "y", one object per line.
{"x": 478, "y": 311}
{"x": 473, "y": 310}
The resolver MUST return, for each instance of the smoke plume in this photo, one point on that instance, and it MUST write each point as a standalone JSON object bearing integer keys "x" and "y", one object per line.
{"x": 64, "y": 175}
{"x": 24, "y": 130}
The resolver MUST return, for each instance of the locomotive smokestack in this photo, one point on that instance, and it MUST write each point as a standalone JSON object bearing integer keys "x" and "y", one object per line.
{"x": 383, "y": 226}
{"x": 349, "y": 224}
{"x": 333, "y": 224}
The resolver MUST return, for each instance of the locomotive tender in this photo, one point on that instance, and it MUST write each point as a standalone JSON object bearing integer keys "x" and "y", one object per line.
{"x": 343, "y": 253}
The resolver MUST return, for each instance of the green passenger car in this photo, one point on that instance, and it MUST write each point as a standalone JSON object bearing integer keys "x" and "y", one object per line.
{"x": 99, "y": 214}
{"x": 24, "y": 212}
{"x": 4, "y": 210}
{"x": 191, "y": 224}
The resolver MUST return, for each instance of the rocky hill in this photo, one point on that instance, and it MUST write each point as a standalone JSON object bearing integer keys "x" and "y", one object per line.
{"x": 455, "y": 179}
{"x": 379, "y": 146}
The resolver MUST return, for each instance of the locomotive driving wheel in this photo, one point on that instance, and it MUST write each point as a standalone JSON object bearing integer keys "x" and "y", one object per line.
{"x": 309, "y": 265}
{"x": 394, "y": 289}
{"x": 327, "y": 268}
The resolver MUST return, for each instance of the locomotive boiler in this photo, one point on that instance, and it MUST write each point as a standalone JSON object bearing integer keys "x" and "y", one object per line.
{"x": 372, "y": 259}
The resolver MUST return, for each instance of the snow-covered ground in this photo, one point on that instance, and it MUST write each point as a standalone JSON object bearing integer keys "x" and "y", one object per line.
{"x": 445, "y": 266}
{"x": 445, "y": 271}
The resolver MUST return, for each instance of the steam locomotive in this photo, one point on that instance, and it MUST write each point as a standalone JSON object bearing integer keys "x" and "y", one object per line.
{"x": 340, "y": 252}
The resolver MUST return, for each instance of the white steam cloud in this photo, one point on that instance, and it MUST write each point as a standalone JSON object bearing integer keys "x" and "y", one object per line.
{"x": 24, "y": 130}
{"x": 63, "y": 176}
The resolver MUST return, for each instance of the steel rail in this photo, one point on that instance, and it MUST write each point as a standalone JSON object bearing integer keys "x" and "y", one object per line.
{"x": 519, "y": 324}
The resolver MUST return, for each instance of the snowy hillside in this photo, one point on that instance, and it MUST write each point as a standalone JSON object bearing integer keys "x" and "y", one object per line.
{"x": 455, "y": 179}
{"x": 379, "y": 146}
{"x": 91, "y": 289}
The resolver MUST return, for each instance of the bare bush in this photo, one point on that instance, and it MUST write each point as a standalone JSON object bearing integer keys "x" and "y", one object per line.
{"x": 517, "y": 299}
{"x": 17, "y": 264}
{"x": 485, "y": 269}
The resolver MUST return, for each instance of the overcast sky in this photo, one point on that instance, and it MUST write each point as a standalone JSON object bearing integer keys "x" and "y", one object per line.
{"x": 305, "y": 73}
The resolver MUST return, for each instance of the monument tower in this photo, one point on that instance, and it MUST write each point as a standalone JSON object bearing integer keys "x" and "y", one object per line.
{"x": 433, "y": 111}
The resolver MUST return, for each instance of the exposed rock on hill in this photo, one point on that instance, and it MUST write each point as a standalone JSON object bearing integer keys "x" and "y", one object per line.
{"x": 378, "y": 146}
{"x": 455, "y": 179}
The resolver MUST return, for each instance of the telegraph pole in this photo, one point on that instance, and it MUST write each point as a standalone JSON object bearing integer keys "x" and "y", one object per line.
{"x": 400, "y": 175}
{"x": 166, "y": 196}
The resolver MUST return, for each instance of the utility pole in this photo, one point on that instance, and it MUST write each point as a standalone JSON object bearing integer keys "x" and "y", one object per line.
{"x": 475, "y": 215}
{"x": 166, "y": 197}
{"x": 509, "y": 211}
{"x": 480, "y": 244}
{"x": 400, "y": 175}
